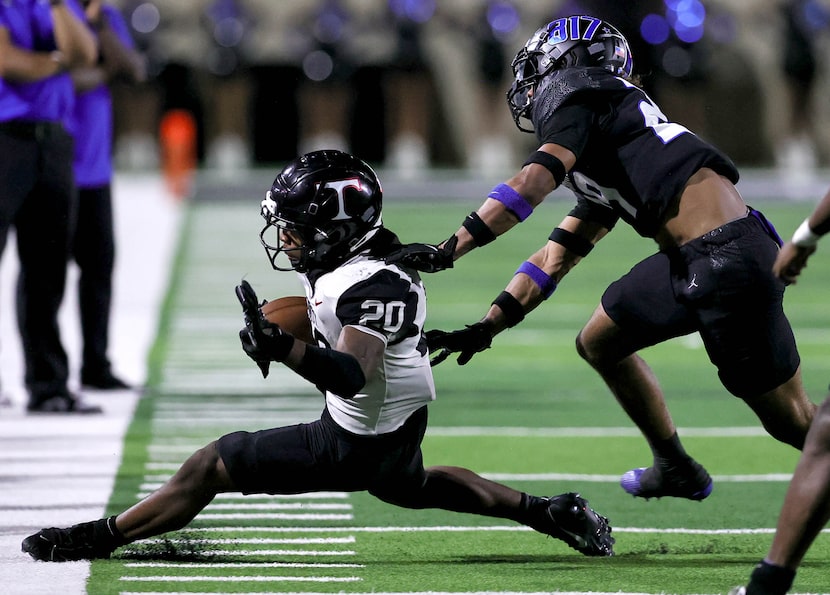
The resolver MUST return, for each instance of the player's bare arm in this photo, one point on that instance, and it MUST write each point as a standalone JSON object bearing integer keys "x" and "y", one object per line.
{"x": 21, "y": 65}
{"x": 73, "y": 38}
{"x": 532, "y": 184}
{"x": 507, "y": 204}
{"x": 574, "y": 239}
{"x": 535, "y": 281}
{"x": 792, "y": 259}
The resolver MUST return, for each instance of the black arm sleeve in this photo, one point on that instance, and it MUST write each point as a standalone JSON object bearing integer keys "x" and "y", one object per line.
{"x": 332, "y": 370}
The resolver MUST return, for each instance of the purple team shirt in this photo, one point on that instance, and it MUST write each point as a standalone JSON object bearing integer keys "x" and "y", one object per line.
{"x": 29, "y": 23}
{"x": 91, "y": 121}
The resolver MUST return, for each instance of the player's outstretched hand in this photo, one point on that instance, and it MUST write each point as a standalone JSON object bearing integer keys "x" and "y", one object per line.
{"x": 791, "y": 261}
{"x": 466, "y": 342}
{"x": 262, "y": 341}
{"x": 427, "y": 258}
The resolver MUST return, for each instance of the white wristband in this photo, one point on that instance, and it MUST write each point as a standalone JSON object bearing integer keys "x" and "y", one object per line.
{"x": 804, "y": 237}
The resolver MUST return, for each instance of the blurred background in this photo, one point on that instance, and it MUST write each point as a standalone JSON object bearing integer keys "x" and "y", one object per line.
{"x": 416, "y": 84}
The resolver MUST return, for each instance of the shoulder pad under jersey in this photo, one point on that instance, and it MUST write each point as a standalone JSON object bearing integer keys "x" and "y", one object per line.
{"x": 562, "y": 85}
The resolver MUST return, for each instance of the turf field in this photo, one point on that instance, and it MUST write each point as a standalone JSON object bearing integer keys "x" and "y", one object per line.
{"x": 527, "y": 412}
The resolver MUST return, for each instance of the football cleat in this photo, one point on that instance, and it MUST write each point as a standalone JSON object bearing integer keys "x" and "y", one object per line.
{"x": 737, "y": 591}
{"x": 690, "y": 481}
{"x": 65, "y": 545}
{"x": 569, "y": 518}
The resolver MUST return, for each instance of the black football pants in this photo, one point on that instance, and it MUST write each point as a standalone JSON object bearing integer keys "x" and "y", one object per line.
{"x": 94, "y": 252}
{"x": 37, "y": 197}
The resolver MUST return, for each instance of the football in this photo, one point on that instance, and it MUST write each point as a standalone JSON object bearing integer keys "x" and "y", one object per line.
{"x": 291, "y": 313}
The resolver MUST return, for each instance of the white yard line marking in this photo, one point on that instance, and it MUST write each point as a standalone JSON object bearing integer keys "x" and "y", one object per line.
{"x": 242, "y": 579}
{"x": 584, "y": 477}
{"x": 242, "y": 565}
{"x": 597, "y": 432}
{"x": 281, "y": 506}
{"x": 261, "y": 540}
{"x": 233, "y": 496}
{"x": 277, "y": 516}
{"x": 272, "y": 420}
{"x": 208, "y": 553}
{"x": 595, "y": 478}
{"x": 525, "y": 432}
{"x": 456, "y": 529}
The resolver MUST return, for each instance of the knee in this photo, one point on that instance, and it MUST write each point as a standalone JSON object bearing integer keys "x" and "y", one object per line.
{"x": 591, "y": 352}
{"x": 583, "y": 349}
{"x": 791, "y": 427}
{"x": 399, "y": 497}
{"x": 203, "y": 471}
{"x": 819, "y": 436}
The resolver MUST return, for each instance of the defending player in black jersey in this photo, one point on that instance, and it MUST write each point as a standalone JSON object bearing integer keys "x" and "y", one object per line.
{"x": 323, "y": 217}
{"x": 601, "y": 136}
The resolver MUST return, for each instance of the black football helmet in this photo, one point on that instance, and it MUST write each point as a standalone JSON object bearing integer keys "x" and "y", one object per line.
{"x": 332, "y": 200}
{"x": 564, "y": 43}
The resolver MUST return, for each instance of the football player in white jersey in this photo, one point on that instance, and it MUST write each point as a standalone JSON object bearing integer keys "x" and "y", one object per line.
{"x": 323, "y": 220}
{"x": 602, "y": 136}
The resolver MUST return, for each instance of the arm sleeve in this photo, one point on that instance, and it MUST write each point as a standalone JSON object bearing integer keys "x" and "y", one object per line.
{"x": 332, "y": 370}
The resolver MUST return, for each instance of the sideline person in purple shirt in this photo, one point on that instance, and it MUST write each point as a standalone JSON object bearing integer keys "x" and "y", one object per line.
{"x": 91, "y": 124}
{"x": 39, "y": 42}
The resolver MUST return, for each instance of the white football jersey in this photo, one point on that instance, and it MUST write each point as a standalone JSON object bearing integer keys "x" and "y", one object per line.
{"x": 386, "y": 302}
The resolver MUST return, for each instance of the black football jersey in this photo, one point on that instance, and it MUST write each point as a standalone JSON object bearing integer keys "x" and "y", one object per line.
{"x": 623, "y": 143}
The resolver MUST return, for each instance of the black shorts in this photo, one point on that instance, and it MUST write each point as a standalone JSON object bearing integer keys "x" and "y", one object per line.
{"x": 322, "y": 456}
{"x": 722, "y": 286}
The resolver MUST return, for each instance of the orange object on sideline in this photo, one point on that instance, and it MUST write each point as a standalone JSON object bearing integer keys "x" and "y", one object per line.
{"x": 177, "y": 133}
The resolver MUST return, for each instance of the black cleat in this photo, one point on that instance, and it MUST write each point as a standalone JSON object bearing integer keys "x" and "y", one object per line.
{"x": 104, "y": 381}
{"x": 689, "y": 480}
{"x": 569, "y": 518}
{"x": 65, "y": 545}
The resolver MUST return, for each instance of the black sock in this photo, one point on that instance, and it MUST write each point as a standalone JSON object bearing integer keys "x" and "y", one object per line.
{"x": 769, "y": 579}
{"x": 533, "y": 511}
{"x": 107, "y": 535}
{"x": 669, "y": 449}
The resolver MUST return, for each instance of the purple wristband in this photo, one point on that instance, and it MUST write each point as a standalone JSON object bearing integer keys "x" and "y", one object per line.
{"x": 512, "y": 201}
{"x": 545, "y": 282}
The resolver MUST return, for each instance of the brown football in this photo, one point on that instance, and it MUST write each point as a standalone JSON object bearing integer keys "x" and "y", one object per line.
{"x": 291, "y": 313}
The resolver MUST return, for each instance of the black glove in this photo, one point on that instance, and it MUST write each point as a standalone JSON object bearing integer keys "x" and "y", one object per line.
{"x": 262, "y": 341}
{"x": 468, "y": 341}
{"x": 426, "y": 258}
